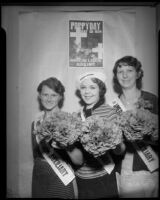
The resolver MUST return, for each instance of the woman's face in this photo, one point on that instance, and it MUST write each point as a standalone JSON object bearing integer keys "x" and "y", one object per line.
{"x": 127, "y": 76}
{"x": 49, "y": 98}
{"x": 89, "y": 92}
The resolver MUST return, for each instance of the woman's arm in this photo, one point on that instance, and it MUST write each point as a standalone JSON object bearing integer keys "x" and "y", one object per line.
{"x": 76, "y": 156}
{"x": 35, "y": 147}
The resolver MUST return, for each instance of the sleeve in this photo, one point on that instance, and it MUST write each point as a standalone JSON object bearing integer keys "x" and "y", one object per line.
{"x": 35, "y": 147}
{"x": 153, "y": 99}
{"x": 155, "y": 105}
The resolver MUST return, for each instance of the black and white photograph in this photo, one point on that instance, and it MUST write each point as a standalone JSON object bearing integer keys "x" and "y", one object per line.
{"x": 81, "y": 99}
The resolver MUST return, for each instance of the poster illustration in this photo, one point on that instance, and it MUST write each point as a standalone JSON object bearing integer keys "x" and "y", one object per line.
{"x": 85, "y": 43}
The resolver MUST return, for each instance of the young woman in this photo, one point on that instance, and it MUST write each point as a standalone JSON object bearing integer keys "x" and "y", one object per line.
{"x": 136, "y": 180}
{"x": 45, "y": 182}
{"x": 93, "y": 180}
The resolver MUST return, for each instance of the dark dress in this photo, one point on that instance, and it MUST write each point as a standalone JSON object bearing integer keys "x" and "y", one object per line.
{"x": 45, "y": 182}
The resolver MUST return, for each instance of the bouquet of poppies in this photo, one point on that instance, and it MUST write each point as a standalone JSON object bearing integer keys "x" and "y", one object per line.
{"x": 100, "y": 135}
{"x": 142, "y": 103}
{"x": 138, "y": 124}
{"x": 63, "y": 128}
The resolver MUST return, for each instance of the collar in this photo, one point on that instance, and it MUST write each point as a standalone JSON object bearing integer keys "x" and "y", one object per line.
{"x": 88, "y": 112}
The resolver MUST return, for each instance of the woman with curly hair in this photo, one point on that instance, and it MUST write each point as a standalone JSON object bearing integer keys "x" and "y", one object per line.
{"x": 135, "y": 180}
{"x": 45, "y": 181}
{"x": 96, "y": 179}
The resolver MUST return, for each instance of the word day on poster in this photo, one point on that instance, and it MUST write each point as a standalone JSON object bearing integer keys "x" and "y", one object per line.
{"x": 85, "y": 43}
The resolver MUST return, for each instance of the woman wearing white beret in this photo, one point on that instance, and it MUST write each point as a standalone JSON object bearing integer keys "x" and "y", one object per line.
{"x": 96, "y": 179}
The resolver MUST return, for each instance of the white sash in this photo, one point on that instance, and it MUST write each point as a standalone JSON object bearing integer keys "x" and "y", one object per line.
{"x": 109, "y": 166}
{"x": 117, "y": 104}
{"x": 148, "y": 156}
{"x": 63, "y": 171}
{"x": 60, "y": 167}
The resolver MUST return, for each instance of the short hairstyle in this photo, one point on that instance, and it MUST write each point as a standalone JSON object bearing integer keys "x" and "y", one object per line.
{"x": 54, "y": 84}
{"x": 130, "y": 61}
{"x": 102, "y": 91}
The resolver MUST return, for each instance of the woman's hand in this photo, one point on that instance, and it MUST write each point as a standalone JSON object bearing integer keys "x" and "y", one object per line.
{"x": 76, "y": 156}
{"x": 120, "y": 149}
{"x": 149, "y": 142}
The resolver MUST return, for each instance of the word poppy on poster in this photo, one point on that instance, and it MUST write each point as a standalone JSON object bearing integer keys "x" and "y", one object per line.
{"x": 85, "y": 43}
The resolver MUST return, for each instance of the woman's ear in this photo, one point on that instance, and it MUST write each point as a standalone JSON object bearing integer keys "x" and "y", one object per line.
{"x": 60, "y": 101}
{"x": 39, "y": 96}
{"x": 60, "y": 98}
{"x": 138, "y": 74}
{"x": 39, "y": 102}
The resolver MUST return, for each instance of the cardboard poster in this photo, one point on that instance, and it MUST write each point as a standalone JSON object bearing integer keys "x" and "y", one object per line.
{"x": 85, "y": 43}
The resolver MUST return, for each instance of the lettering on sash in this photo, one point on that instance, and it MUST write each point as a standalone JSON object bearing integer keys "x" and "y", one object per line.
{"x": 117, "y": 104}
{"x": 148, "y": 156}
{"x": 59, "y": 166}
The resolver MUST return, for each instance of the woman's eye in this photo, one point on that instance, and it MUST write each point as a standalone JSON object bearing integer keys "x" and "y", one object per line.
{"x": 82, "y": 87}
{"x": 53, "y": 95}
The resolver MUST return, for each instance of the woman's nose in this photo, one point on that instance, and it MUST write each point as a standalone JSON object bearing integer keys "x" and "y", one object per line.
{"x": 49, "y": 98}
{"x": 87, "y": 91}
{"x": 125, "y": 75}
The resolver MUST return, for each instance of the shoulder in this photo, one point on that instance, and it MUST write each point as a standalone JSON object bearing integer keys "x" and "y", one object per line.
{"x": 148, "y": 95}
{"x": 152, "y": 98}
{"x": 104, "y": 107}
{"x": 105, "y": 110}
{"x": 38, "y": 118}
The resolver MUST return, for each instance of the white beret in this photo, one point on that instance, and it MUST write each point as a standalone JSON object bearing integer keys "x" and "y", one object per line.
{"x": 99, "y": 75}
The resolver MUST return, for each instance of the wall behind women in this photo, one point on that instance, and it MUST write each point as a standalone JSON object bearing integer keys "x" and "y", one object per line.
{"x": 158, "y": 16}
{"x": 24, "y": 74}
